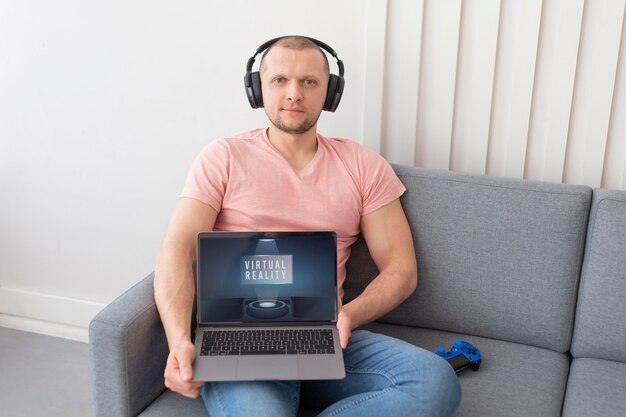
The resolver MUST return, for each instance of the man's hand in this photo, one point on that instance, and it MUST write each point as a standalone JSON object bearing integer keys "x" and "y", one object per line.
{"x": 179, "y": 371}
{"x": 344, "y": 327}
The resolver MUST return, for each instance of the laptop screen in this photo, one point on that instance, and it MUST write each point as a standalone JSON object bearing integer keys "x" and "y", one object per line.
{"x": 249, "y": 277}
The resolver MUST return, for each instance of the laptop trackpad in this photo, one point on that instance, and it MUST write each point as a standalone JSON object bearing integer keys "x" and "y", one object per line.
{"x": 267, "y": 367}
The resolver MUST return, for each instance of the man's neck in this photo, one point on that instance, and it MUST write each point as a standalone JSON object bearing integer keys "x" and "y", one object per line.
{"x": 297, "y": 149}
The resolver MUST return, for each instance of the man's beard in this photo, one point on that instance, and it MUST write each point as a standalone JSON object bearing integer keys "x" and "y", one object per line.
{"x": 304, "y": 127}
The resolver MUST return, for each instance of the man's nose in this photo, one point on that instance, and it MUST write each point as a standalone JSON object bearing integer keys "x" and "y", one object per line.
{"x": 294, "y": 92}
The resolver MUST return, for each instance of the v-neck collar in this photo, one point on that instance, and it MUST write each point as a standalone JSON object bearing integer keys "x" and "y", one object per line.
{"x": 308, "y": 168}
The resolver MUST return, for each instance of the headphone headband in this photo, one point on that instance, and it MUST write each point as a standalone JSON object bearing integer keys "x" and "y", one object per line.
{"x": 252, "y": 80}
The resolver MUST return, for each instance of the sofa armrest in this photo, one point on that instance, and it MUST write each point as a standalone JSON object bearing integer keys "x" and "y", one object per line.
{"x": 128, "y": 353}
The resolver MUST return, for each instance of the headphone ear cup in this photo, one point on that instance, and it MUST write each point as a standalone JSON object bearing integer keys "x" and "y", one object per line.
{"x": 253, "y": 89}
{"x": 334, "y": 92}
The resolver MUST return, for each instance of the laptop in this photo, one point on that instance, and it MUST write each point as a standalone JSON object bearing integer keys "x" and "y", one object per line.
{"x": 267, "y": 307}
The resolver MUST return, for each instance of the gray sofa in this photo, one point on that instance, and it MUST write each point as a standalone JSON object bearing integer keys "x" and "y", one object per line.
{"x": 532, "y": 273}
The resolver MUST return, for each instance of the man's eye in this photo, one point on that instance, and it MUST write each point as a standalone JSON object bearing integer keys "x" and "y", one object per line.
{"x": 279, "y": 80}
{"x": 309, "y": 82}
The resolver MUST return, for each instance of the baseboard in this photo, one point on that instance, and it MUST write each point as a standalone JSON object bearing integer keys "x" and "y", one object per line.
{"x": 52, "y": 315}
{"x": 79, "y": 334}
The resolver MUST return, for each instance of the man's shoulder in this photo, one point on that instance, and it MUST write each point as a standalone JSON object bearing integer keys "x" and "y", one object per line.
{"x": 351, "y": 148}
{"x": 238, "y": 140}
{"x": 248, "y": 135}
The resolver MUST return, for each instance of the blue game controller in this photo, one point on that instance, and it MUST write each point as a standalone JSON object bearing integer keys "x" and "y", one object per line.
{"x": 461, "y": 356}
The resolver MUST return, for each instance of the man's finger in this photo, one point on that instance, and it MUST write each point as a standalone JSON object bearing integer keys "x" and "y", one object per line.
{"x": 344, "y": 336}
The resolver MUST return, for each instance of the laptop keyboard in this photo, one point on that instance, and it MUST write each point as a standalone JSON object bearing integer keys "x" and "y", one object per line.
{"x": 267, "y": 342}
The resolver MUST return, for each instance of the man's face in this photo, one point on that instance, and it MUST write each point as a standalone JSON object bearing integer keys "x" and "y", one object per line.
{"x": 294, "y": 84}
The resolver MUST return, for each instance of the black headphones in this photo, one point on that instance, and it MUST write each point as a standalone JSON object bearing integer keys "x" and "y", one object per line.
{"x": 252, "y": 80}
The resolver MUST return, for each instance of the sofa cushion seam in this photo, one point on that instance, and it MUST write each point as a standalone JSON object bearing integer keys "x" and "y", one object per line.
{"x": 579, "y": 193}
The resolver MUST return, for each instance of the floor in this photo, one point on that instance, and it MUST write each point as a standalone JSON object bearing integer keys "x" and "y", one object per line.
{"x": 43, "y": 376}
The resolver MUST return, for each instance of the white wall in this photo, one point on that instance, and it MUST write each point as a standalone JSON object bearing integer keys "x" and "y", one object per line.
{"x": 103, "y": 106}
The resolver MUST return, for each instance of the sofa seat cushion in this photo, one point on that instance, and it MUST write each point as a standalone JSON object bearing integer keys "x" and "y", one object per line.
{"x": 596, "y": 387}
{"x": 513, "y": 379}
{"x": 170, "y": 404}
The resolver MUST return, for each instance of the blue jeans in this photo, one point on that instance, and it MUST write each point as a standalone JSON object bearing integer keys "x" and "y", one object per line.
{"x": 384, "y": 377}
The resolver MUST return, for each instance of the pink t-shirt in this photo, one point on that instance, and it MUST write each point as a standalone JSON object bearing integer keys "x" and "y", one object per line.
{"x": 253, "y": 187}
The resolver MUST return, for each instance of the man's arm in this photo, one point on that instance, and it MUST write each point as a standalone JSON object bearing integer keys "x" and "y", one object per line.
{"x": 388, "y": 237}
{"x": 174, "y": 290}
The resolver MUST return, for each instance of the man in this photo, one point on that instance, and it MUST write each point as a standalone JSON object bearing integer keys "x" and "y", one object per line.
{"x": 289, "y": 177}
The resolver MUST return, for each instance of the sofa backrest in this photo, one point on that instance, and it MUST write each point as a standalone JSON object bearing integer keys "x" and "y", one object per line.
{"x": 497, "y": 257}
{"x": 600, "y": 326}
